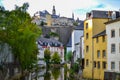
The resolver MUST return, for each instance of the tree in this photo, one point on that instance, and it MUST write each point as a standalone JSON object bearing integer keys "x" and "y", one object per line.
{"x": 69, "y": 55}
{"x": 56, "y": 58}
{"x": 17, "y": 31}
{"x": 56, "y": 73}
{"x": 47, "y": 56}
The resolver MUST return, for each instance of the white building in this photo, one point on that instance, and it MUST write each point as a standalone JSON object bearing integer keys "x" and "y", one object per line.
{"x": 76, "y": 34}
{"x": 51, "y": 44}
{"x": 82, "y": 47}
{"x": 113, "y": 45}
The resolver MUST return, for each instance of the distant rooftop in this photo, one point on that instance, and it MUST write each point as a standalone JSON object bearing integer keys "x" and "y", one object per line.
{"x": 80, "y": 26}
{"x": 52, "y": 42}
{"x": 44, "y": 13}
{"x": 54, "y": 16}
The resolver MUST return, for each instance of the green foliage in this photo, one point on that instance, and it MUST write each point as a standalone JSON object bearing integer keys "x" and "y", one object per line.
{"x": 47, "y": 76}
{"x": 75, "y": 24}
{"x": 53, "y": 34}
{"x": 43, "y": 23}
{"x": 69, "y": 56}
{"x": 17, "y": 30}
{"x": 65, "y": 53}
{"x": 56, "y": 73}
{"x": 56, "y": 58}
{"x": 75, "y": 67}
{"x": 47, "y": 56}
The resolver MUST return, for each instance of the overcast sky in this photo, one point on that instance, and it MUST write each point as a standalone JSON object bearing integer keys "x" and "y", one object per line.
{"x": 64, "y": 7}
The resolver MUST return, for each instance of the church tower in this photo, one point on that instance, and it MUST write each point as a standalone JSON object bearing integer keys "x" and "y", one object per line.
{"x": 53, "y": 11}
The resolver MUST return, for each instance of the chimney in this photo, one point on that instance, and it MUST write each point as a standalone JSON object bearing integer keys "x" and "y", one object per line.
{"x": 114, "y": 15}
{"x": 109, "y": 14}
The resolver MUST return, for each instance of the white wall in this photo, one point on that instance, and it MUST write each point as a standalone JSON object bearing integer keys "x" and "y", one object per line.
{"x": 82, "y": 46}
{"x": 76, "y": 34}
{"x": 60, "y": 51}
{"x": 113, "y": 56}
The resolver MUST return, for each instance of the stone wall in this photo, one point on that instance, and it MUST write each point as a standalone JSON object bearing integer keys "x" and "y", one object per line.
{"x": 64, "y": 32}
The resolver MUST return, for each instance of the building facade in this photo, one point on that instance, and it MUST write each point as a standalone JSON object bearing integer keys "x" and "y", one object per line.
{"x": 93, "y": 25}
{"x": 113, "y": 47}
{"x": 51, "y": 44}
{"x": 76, "y": 34}
{"x": 99, "y": 55}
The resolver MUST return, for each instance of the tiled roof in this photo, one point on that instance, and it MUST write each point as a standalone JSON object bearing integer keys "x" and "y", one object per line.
{"x": 99, "y": 14}
{"x": 80, "y": 26}
{"x": 100, "y": 34}
{"x": 52, "y": 42}
{"x": 43, "y": 13}
{"x": 55, "y": 16}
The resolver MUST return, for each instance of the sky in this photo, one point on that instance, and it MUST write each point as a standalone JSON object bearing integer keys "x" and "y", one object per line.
{"x": 64, "y": 7}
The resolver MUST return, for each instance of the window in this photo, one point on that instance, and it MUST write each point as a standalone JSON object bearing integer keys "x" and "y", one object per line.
{"x": 112, "y": 65}
{"x": 103, "y": 38}
{"x": 104, "y": 65}
{"x": 104, "y": 53}
{"x": 87, "y": 35}
{"x": 98, "y": 64}
{"x": 97, "y": 40}
{"x": 87, "y": 48}
{"x": 86, "y": 25}
{"x": 98, "y": 53}
{"x": 112, "y": 33}
{"x": 112, "y": 48}
{"x": 94, "y": 64}
{"x": 87, "y": 63}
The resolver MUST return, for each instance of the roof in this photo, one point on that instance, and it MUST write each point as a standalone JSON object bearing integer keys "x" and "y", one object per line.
{"x": 100, "y": 14}
{"x": 80, "y": 26}
{"x": 52, "y": 42}
{"x": 55, "y": 16}
{"x": 100, "y": 34}
{"x": 69, "y": 44}
{"x": 43, "y": 13}
{"x": 97, "y": 14}
{"x": 112, "y": 21}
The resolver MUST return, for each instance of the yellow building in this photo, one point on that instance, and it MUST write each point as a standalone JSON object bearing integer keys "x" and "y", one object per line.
{"x": 93, "y": 25}
{"x": 48, "y": 20}
{"x": 99, "y": 55}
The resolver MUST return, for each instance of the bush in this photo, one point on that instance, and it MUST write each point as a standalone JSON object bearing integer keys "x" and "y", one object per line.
{"x": 56, "y": 58}
{"x": 75, "y": 67}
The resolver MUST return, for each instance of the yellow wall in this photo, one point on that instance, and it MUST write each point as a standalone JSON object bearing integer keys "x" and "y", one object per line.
{"x": 95, "y": 26}
{"x": 48, "y": 20}
{"x": 98, "y": 25}
{"x": 100, "y": 45}
{"x": 87, "y": 69}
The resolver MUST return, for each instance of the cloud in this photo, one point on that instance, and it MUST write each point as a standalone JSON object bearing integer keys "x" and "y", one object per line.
{"x": 100, "y": 6}
{"x": 83, "y": 11}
